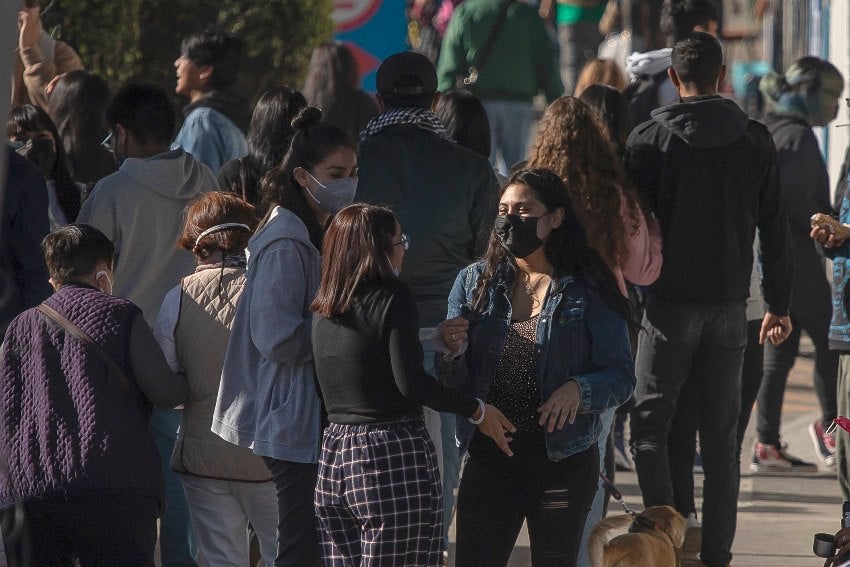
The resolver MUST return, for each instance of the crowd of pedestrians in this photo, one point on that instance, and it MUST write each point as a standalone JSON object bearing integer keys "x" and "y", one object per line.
{"x": 320, "y": 332}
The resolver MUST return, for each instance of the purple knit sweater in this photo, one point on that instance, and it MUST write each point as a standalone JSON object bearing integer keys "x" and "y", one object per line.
{"x": 67, "y": 426}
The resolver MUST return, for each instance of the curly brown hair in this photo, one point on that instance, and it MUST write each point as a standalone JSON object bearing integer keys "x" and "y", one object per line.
{"x": 573, "y": 142}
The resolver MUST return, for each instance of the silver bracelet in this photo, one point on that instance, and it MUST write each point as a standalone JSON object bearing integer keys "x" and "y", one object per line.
{"x": 483, "y": 408}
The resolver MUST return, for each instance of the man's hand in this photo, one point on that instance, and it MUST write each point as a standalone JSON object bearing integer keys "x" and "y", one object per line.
{"x": 826, "y": 238}
{"x": 775, "y": 329}
{"x": 29, "y": 22}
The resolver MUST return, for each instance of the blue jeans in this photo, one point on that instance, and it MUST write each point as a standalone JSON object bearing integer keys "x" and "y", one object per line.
{"x": 596, "y": 509}
{"x": 176, "y": 543}
{"x": 448, "y": 444}
{"x": 510, "y": 122}
{"x": 688, "y": 370}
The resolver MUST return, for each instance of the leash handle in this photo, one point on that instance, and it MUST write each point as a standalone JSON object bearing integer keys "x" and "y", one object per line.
{"x": 609, "y": 486}
{"x": 615, "y": 494}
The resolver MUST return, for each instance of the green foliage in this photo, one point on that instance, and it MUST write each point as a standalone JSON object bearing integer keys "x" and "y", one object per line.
{"x": 140, "y": 39}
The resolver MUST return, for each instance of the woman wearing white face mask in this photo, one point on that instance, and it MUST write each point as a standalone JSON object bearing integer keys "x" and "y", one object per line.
{"x": 267, "y": 399}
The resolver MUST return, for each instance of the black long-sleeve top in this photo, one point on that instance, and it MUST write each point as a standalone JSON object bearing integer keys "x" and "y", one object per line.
{"x": 369, "y": 361}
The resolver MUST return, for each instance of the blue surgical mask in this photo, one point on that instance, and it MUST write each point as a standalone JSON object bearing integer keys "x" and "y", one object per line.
{"x": 333, "y": 196}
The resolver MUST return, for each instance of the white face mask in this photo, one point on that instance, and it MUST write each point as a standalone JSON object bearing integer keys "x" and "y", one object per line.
{"x": 333, "y": 196}
{"x": 108, "y": 280}
{"x": 396, "y": 271}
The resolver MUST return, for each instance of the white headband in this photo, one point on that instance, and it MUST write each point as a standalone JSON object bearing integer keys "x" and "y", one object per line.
{"x": 219, "y": 228}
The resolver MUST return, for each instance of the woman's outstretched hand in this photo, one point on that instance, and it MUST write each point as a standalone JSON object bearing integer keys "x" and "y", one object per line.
{"x": 561, "y": 407}
{"x": 496, "y": 426}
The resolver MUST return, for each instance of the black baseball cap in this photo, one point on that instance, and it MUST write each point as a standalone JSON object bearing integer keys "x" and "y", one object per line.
{"x": 406, "y": 74}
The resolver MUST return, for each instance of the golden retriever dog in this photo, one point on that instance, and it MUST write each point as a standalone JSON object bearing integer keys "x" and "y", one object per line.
{"x": 655, "y": 538}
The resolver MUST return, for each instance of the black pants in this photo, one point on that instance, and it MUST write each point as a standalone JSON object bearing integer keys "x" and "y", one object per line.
{"x": 751, "y": 373}
{"x": 688, "y": 371}
{"x": 498, "y": 492}
{"x": 99, "y": 531}
{"x": 811, "y": 311}
{"x": 751, "y": 376}
{"x": 297, "y": 529}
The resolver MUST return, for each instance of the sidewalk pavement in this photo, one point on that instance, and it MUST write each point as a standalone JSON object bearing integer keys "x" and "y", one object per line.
{"x": 777, "y": 515}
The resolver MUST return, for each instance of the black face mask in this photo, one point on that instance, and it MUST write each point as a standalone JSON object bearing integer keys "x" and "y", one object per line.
{"x": 518, "y": 234}
{"x": 41, "y": 153}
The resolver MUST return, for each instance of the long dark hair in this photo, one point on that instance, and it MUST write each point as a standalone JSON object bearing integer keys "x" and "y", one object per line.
{"x": 269, "y": 137}
{"x": 332, "y": 84}
{"x": 611, "y": 108}
{"x": 357, "y": 247}
{"x": 313, "y": 141}
{"x": 566, "y": 248}
{"x": 29, "y": 118}
{"x": 78, "y": 108}
{"x": 466, "y": 120}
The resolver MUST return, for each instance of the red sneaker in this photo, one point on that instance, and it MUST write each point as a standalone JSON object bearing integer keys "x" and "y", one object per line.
{"x": 824, "y": 444}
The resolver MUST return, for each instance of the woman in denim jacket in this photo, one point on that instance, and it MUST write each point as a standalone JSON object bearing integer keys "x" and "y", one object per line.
{"x": 542, "y": 329}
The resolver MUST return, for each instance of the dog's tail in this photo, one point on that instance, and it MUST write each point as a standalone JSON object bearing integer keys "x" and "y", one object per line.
{"x": 599, "y": 537}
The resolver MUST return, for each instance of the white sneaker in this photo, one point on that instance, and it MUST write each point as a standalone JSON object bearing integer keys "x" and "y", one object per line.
{"x": 768, "y": 459}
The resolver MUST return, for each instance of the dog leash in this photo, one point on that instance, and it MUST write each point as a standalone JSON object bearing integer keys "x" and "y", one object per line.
{"x": 615, "y": 494}
{"x": 639, "y": 521}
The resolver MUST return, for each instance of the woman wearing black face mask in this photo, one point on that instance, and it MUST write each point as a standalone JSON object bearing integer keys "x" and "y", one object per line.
{"x": 548, "y": 345}
{"x": 378, "y": 495}
{"x": 38, "y": 141}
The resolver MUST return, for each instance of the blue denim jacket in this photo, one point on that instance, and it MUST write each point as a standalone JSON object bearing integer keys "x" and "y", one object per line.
{"x": 578, "y": 337}
{"x": 839, "y": 328}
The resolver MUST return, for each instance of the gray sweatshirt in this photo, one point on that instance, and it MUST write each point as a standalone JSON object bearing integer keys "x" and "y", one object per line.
{"x": 140, "y": 208}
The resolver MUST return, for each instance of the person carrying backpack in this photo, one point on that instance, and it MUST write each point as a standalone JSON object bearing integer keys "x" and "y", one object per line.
{"x": 650, "y": 86}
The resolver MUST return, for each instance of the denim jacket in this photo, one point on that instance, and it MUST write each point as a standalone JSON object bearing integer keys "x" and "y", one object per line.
{"x": 839, "y": 328}
{"x": 578, "y": 337}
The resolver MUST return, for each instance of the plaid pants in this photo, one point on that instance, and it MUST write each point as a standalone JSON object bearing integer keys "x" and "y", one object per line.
{"x": 378, "y": 497}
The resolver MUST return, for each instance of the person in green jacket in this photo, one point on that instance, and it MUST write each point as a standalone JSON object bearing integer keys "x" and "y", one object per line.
{"x": 520, "y": 63}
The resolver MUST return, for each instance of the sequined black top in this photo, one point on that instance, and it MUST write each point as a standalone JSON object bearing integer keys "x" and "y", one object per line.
{"x": 514, "y": 390}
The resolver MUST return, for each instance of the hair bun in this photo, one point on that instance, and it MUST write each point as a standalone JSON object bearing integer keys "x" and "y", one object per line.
{"x": 309, "y": 116}
{"x": 772, "y": 85}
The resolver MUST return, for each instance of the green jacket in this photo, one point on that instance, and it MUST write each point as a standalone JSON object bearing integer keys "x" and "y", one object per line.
{"x": 445, "y": 198}
{"x": 522, "y": 61}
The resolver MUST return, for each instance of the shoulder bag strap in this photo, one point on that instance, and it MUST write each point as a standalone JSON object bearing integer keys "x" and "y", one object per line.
{"x": 74, "y": 330}
{"x": 500, "y": 23}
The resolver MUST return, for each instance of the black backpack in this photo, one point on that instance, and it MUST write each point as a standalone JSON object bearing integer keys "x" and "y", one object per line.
{"x": 642, "y": 96}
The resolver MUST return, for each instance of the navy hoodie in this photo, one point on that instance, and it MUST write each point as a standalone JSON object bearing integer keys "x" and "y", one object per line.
{"x": 710, "y": 175}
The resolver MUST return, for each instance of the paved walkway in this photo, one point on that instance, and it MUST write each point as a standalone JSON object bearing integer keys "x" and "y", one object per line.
{"x": 777, "y": 516}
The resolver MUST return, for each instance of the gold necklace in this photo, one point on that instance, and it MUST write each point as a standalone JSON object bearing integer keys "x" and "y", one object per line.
{"x": 531, "y": 290}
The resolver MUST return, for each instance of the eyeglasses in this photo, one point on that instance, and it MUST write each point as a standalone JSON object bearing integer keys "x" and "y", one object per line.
{"x": 405, "y": 241}
{"x": 107, "y": 142}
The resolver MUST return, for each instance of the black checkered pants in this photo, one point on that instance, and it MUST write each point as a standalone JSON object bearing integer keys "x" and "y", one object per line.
{"x": 378, "y": 497}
